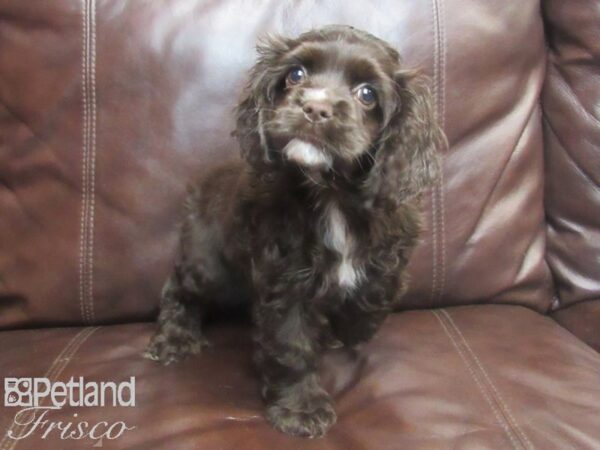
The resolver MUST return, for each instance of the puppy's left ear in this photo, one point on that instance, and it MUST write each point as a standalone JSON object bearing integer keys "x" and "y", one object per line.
{"x": 257, "y": 98}
{"x": 407, "y": 159}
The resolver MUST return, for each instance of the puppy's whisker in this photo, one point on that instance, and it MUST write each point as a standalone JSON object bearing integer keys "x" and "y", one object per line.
{"x": 358, "y": 159}
{"x": 369, "y": 155}
{"x": 308, "y": 176}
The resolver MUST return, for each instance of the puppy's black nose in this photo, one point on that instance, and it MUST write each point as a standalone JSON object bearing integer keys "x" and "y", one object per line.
{"x": 317, "y": 111}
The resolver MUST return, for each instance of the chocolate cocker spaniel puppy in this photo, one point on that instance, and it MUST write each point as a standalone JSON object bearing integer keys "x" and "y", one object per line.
{"x": 315, "y": 224}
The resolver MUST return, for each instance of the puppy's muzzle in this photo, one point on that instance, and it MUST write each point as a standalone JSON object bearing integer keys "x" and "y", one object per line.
{"x": 317, "y": 111}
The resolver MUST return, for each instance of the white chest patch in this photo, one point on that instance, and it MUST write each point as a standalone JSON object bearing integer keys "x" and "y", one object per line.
{"x": 338, "y": 239}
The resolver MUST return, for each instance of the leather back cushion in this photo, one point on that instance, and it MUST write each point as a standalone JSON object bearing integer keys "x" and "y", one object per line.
{"x": 571, "y": 102}
{"x": 107, "y": 108}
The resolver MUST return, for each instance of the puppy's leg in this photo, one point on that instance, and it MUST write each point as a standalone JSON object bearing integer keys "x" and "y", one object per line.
{"x": 354, "y": 326}
{"x": 179, "y": 324}
{"x": 363, "y": 313}
{"x": 199, "y": 281}
{"x": 287, "y": 355}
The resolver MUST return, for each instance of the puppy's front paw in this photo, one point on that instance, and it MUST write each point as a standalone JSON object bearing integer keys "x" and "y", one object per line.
{"x": 305, "y": 423}
{"x": 167, "y": 350}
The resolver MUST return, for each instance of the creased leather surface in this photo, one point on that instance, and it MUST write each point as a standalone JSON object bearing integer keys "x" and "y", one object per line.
{"x": 485, "y": 377}
{"x": 583, "y": 320}
{"x": 109, "y": 107}
{"x": 571, "y": 102}
{"x": 40, "y": 161}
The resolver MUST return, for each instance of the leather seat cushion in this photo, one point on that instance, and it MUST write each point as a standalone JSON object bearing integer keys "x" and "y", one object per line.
{"x": 465, "y": 377}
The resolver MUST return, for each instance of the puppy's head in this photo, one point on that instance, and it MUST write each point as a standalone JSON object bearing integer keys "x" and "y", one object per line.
{"x": 337, "y": 99}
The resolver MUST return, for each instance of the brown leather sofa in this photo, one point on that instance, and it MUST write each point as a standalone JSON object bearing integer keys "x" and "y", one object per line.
{"x": 107, "y": 108}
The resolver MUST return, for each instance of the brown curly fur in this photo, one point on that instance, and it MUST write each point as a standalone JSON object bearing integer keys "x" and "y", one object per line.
{"x": 318, "y": 250}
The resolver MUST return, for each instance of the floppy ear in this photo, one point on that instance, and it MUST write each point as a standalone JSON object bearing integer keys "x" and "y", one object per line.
{"x": 258, "y": 96}
{"x": 406, "y": 159}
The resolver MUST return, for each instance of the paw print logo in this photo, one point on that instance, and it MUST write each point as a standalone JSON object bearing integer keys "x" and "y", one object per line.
{"x": 18, "y": 392}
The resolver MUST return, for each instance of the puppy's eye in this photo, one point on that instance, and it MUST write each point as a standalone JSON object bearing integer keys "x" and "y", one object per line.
{"x": 295, "y": 76}
{"x": 366, "y": 95}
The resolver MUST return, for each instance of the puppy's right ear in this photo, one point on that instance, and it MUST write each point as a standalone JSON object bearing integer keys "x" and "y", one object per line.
{"x": 253, "y": 145}
{"x": 259, "y": 97}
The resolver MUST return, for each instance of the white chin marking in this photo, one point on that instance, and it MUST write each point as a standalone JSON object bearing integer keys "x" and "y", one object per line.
{"x": 306, "y": 154}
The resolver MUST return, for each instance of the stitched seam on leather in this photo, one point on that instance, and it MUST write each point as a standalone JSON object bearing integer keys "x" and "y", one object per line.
{"x": 503, "y": 405}
{"x": 442, "y": 118}
{"x": 84, "y": 171}
{"x": 56, "y": 368}
{"x": 7, "y": 442}
{"x": 434, "y": 212}
{"x": 88, "y": 75}
{"x": 480, "y": 384}
{"x": 53, "y": 372}
{"x": 92, "y": 68}
{"x": 437, "y": 195}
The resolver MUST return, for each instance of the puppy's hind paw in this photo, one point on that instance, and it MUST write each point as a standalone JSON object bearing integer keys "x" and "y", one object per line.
{"x": 308, "y": 424}
{"x": 168, "y": 351}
